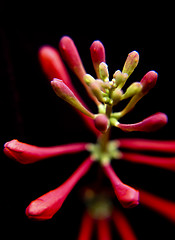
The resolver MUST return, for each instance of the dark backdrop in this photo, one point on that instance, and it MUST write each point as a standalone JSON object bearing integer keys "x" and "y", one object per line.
{"x": 30, "y": 111}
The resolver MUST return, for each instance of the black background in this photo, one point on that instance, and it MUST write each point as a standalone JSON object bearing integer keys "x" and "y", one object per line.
{"x": 31, "y": 113}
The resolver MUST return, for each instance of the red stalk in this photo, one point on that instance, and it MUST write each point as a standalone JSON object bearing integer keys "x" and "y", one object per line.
{"x": 149, "y": 124}
{"x": 47, "y": 205}
{"x": 148, "y": 144}
{"x": 97, "y": 55}
{"x": 26, "y": 153}
{"x": 158, "y": 204}
{"x": 86, "y": 227}
{"x": 123, "y": 226}
{"x": 103, "y": 228}
{"x": 162, "y": 162}
{"x": 127, "y": 196}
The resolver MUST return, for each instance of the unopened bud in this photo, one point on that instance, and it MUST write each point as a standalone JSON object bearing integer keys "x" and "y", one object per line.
{"x": 101, "y": 122}
{"x": 64, "y": 92}
{"x": 131, "y": 63}
{"x": 103, "y": 70}
{"x": 88, "y": 79}
{"x": 116, "y": 96}
{"x": 132, "y": 90}
{"x": 119, "y": 78}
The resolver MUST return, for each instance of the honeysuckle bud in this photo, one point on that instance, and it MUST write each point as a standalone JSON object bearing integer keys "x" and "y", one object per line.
{"x": 97, "y": 55}
{"x": 103, "y": 71}
{"x": 71, "y": 56}
{"x": 53, "y": 65}
{"x": 147, "y": 144}
{"x": 88, "y": 79}
{"x": 116, "y": 96}
{"x": 148, "y": 81}
{"x": 132, "y": 90}
{"x": 123, "y": 226}
{"x": 101, "y": 122}
{"x": 152, "y": 123}
{"x": 26, "y": 153}
{"x": 119, "y": 79}
{"x": 127, "y": 196}
{"x": 62, "y": 90}
{"x": 162, "y": 206}
{"x": 103, "y": 229}
{"x": 86, "y": 227}
{"x": 48, "y": 204}
{"x": 131, "y": 63}
{"x": 160, "y": 162}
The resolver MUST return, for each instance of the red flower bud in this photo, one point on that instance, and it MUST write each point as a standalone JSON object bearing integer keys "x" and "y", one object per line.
{"x": 97, "y": 55}
{"x": 71, "y": 56}
{"x": 25, "y": 153}
{"x": 152, "y": 123}
{"x": 101, "y": 122}
{"x": 161, "y": 162}
{"x": 147, "y": 144}
{"x": 123, "y": 226}
{"x": 53, "y": 65}
{"x": 158, "y": 204}
{"x": 47, "y": 205}
{"x": 86, "y": 227}
{"x": 127, "y": 196}
{"x": 148, "y": 81}
{"x": 103, "y": 228}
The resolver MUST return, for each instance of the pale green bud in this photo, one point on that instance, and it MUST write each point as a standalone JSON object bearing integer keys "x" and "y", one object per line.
{"x": 131, "y": 63}
{"x": 103, "y": 70}
{"x": 88, "y": 79}
{"x": 132, "y": 90}
{"x": 116, "y": 96}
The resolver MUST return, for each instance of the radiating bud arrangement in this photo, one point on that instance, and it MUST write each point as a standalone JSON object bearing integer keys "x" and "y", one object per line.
{"x": 106, "y": 92}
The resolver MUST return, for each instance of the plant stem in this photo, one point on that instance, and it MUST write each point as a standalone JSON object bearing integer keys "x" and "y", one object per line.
{"x": 104, "y": 138}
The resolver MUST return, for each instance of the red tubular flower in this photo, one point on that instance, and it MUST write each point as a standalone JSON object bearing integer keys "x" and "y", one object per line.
{"x": 158, "y": 204}
{"x": 148, "y": 81}
{"x": 97, "y": 55}
{"x": 47, "y": 205}
{"x": 152, "y": 123}
{"x": 123, "y": 226}
{"x": 86, "y": 227}
{"x": 127, "y": 196}
{"x": 26, "y": 153}
{"x": 147, "y": 144}
{"x": 53, "y": 65}
{"x": 103, "y": 229}
{"x": 162, "y": 162}
{"x": 71, "y": 56}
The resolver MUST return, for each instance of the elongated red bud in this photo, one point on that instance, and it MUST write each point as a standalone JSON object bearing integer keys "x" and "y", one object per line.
{"x": 162, "y": 206}
{"x": 148, "y": 81}
{"x": 103, "y": 228}
{"x": 53, "y": 65}
{"x": 147, "y": 144}
{"x": 101, "y": 122}
{"x": 26, "y": 153}
{"x": 47, "y": 205}
{"x": 160, "y": 162}
{"x": 127, "y": 196}
{"x": 97, "y": 55}
{"x": 150, "y": 124}
{"x": 64, "y": 92}
{"x": 123, "y": 226}
{"x": 86, "y": 227}
{"x": 70, "y": 54}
